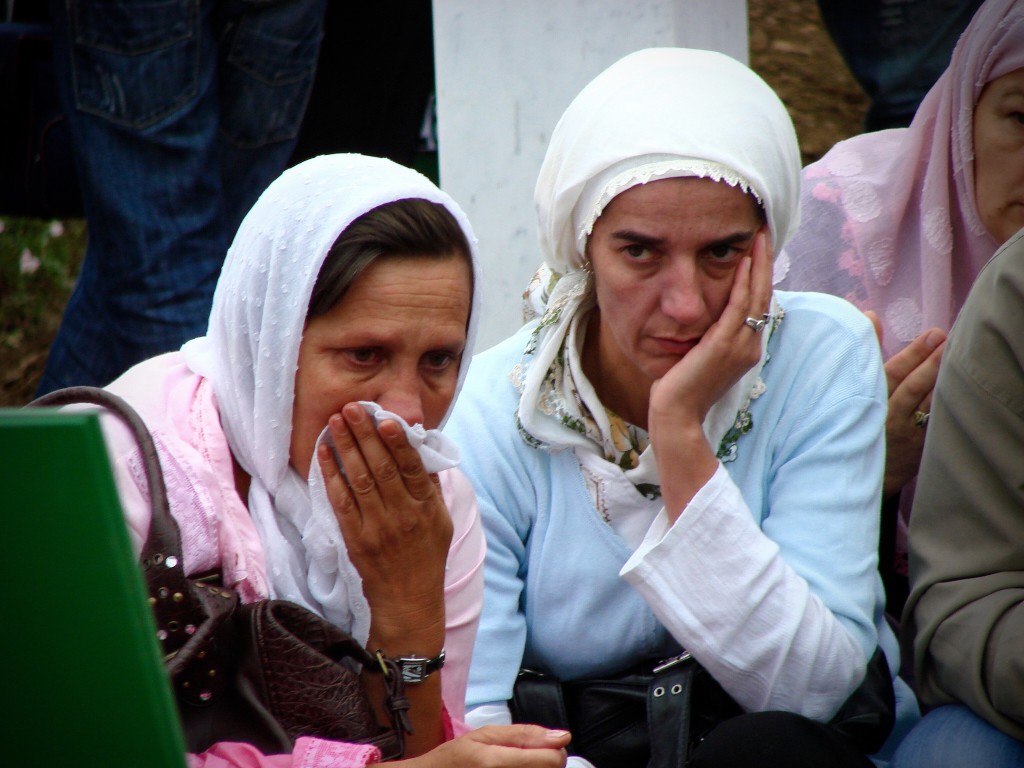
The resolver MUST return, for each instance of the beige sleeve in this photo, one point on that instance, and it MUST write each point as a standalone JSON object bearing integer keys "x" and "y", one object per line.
{"x": 965, "y": 615}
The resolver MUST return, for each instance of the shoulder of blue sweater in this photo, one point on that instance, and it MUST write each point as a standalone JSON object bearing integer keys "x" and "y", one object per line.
{"x": 823, "y": 313}
{"x": 825, "y": 332}
{"x": 505, "y": 353}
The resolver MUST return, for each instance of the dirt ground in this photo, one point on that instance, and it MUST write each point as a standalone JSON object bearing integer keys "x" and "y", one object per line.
{"x": 789, "y": 48}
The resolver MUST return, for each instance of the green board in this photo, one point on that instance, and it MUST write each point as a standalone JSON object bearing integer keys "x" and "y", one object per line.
{"x": 81, "y": 669}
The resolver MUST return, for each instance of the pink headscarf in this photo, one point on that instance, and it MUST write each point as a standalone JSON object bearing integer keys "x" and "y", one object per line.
{"x": 889, "y": 219}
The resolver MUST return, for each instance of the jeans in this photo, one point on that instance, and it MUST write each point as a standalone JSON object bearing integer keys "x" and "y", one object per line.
{"x": 182, "y": 112}
{"x": 954, "y": 737}
{"x": 896, "y": 49}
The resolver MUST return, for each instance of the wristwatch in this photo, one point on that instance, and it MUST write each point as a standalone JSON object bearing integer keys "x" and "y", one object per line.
{"x": 416, "y": 669}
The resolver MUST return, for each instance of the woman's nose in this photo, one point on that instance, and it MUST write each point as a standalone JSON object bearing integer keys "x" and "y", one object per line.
{"x": 403, "y": 396}
{"x": 682, "y": 296}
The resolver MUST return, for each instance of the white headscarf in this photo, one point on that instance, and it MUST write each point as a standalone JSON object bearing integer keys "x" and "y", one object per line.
{"x": 657, "y": 113}
{"x": 251, "y": 352}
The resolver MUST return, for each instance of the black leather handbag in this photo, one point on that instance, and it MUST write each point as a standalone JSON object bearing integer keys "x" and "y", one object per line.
{"x": 262, "y": 673}
{"x": 613, "y": 719}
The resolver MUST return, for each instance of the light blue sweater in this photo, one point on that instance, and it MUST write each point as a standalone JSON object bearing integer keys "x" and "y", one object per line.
{"x": 809, "y": 472}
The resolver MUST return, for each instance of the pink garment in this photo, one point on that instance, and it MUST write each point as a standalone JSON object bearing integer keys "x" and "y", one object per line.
{"x": 889, "y": 219}
{"x": 217, "y": 532}
{"x": 308, "y": 753}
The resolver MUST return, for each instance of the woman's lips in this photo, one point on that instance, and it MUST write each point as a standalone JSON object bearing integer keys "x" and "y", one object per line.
{"x": 674, "y": 346}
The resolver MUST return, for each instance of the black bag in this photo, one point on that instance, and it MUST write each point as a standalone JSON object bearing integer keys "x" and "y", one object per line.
{"x": 611, "y": 718}
{"x": 263, "y": 673}
{"x": 37, "y": 169}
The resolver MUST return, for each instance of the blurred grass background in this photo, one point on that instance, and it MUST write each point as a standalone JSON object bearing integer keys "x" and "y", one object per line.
{"x": 39, "y": 261}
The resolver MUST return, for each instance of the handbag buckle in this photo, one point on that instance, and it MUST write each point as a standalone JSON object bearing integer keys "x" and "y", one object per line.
{"x": 671, "y": 662}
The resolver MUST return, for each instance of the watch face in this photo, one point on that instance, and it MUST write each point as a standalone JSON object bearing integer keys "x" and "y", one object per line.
{"x": 414, "y": 670}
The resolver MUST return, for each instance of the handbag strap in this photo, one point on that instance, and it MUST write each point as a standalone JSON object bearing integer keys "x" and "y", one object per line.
{"x": 164, "y": 537}
{"x": 174, "y": 602}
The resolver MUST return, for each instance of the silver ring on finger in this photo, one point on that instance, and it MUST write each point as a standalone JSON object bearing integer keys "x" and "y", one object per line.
{"x": 920, "y": 418}
{"x": 754, "y": 324}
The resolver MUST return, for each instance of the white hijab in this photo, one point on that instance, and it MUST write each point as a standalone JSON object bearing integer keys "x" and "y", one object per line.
{"x": 251, "y": 350}
{"x": 657, "y": 113}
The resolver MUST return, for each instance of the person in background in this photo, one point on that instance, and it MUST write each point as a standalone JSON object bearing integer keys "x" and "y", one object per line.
{"x": 965, "y": 616}
{"x": 895, "y": 49}
{"x": 900, "y": 222}
{"x": 374, "y": 110}
{"x": 181, "y": 114}
{"x": 351, "y": 280}
{"x": 675, "y": 456}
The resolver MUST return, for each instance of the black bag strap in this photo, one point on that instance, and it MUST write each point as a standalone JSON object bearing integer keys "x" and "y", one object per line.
{"x": 669, "y": 702}
{"x": 537, "y": 698}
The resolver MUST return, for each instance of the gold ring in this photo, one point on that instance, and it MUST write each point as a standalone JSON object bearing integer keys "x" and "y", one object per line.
{"x": 920, "y": 418}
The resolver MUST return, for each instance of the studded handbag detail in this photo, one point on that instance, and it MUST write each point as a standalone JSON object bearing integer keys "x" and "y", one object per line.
{"x": 262, "y": 673}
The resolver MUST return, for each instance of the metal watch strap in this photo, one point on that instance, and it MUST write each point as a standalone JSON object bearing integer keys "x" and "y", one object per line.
{"x": 416, "y": 669}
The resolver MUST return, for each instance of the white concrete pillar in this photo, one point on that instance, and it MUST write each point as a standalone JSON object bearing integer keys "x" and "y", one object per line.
{"x": 506, "y": 70}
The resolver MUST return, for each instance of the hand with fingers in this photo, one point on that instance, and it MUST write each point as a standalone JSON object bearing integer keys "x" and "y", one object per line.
{"x": 498, "y": 746}
{"x": 729, "y": 348}
{"x": 681, "y": 399}
{"x": 397, "y": 531}
{"x": 911, "y": 375}
{"x": 393, "y": 517}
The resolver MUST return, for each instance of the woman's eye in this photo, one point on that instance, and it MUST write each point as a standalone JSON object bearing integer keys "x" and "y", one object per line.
{"x": 363, "y": 355}
{"x": 1018, "y": 116}
{"x": 637, "y": 252}
{"x": 438, "y": 361}
{"x": 721, "y": 253}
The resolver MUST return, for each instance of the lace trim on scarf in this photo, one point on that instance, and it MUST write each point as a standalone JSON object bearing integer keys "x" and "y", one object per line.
{"x": 677, "y": 166}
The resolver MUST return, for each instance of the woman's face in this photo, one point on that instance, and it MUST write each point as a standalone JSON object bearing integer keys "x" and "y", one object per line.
{"x": 999, "y": 155}
{"x": 396, "y": 338}
{"x": 664, "y": 254}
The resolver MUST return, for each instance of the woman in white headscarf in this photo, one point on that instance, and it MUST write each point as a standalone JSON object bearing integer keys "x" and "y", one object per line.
{"x": 671, "y": 456}
{"x": 351, "y": 281}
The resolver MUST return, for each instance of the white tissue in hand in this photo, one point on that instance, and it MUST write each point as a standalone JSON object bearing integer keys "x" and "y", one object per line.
{"x": 437, "y": 452}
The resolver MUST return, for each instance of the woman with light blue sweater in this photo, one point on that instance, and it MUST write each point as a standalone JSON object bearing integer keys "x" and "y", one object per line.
{"x": 672, "y": 457}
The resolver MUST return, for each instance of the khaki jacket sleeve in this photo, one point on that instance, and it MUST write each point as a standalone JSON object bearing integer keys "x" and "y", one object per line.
{"x": 965, "y": 615}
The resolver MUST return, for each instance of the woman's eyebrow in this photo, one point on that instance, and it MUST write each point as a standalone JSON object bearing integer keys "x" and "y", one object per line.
{"x": 647, "y": 241}
{"x": 736, "y": 237}
{"x": 1013, "y": 92}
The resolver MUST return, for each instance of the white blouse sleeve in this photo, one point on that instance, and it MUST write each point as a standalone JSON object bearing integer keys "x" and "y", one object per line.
{"x": 721, "y": 587}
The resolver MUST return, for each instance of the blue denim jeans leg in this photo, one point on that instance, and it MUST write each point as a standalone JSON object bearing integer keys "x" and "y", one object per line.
{"x": 954, "y": 737}
{"x": 182, "y": 112}
{"x": 896, "y": 49}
